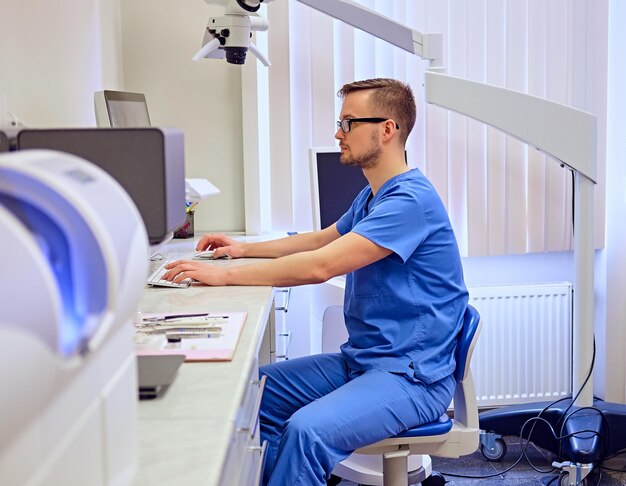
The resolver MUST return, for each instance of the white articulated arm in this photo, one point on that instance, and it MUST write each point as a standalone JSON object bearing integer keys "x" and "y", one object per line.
{"x": 567, "y": 135}
{"x": 426, "y": 46}
{"x": 229, "y": 35}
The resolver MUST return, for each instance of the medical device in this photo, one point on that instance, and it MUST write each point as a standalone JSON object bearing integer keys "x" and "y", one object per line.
{"x": 229, "y": 35}
{"x": 74, "y": 258}
{"x": 148, "y": 162}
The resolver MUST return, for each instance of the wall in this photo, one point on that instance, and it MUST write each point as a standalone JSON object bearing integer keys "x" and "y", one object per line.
{"x": 54, "y": 55}
{"x": 611, "y": 324}
{"x": 159, "y": 37}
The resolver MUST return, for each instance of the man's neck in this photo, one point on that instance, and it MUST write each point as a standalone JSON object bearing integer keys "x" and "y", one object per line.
{"x": 386, "y": 168}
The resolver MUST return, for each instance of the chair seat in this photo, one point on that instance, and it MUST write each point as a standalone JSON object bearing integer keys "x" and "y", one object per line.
{"x": 441, "y": 426}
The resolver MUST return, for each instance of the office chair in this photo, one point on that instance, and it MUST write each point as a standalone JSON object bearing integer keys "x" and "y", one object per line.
{"x": 445, "y": 437}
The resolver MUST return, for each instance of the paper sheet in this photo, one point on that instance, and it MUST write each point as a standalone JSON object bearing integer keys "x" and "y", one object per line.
{"x": 220, "y": 346}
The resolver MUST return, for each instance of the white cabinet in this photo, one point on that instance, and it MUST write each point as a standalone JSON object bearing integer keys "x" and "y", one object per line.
{"x": 244, "y": 460}
{"x": 293, "y": 330}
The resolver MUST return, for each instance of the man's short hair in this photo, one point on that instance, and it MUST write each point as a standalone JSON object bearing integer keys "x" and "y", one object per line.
{"x": 390, "y": 99}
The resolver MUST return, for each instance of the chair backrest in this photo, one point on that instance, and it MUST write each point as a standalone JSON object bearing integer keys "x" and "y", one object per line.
{"x": 465, "y": 342}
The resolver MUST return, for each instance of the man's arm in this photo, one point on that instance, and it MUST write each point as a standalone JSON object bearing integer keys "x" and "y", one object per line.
{"x": 223, "y": 245}
{"x": 342, "y": 255}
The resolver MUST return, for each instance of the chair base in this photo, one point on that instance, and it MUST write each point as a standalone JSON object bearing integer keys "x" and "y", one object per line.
{"x": 609, "y": 434}
{"x": 368, "y": 469}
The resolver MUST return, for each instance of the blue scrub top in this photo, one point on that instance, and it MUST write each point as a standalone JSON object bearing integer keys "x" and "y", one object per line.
{"x": 403, "y": 312}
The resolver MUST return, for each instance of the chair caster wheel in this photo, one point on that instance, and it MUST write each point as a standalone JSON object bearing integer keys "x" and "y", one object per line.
{"x": 435, "y": 479}
{"x": 564, "y": 480}
{"x": 497, "y": 453}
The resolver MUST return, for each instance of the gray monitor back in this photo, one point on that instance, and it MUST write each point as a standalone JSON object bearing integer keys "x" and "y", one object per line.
{"x": 147, "y": 162}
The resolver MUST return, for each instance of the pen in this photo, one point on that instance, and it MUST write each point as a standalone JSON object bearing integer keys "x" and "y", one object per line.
{"x": 168, "y": 329}
{"x": 181, "y": 316}
{"x": 192, "y": 321}
{"x": 180, "y": 323}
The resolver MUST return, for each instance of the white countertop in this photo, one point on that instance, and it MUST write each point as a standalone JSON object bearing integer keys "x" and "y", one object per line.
{"x": 184, "y": 435}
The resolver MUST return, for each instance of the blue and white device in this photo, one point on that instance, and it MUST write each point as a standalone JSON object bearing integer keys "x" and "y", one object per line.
{"x": 74, "y": 259}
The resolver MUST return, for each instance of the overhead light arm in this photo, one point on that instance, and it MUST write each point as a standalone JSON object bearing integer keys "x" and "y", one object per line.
{"x": 562, "y": 132}
{"x": 426, "y": 46}
{"x": 565, "y": 134}
{"x": 229, "y": 35}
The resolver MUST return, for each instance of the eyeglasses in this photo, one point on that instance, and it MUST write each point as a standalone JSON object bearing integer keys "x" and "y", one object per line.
{"x": 346, "y": 123}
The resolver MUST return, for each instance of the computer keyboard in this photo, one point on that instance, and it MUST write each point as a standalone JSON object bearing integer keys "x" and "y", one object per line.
{"x": 157, "y": 269}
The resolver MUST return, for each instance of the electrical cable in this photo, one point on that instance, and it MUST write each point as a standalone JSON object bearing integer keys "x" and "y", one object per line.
{"x": 593, "y": 362}
{"x": 558, "y": 437}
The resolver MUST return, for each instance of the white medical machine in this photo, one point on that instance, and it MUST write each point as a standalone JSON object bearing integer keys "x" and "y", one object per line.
{"x": 74, "y": 264}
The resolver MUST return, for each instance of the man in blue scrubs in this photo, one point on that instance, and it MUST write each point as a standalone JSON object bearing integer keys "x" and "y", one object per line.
{"x": 404, "y": 300}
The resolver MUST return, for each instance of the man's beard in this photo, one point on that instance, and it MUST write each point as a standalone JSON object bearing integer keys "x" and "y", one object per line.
{"x": 367, "y": 160}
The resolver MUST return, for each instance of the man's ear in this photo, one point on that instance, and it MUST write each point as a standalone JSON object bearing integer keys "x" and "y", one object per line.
{"x": 389, "y": 130}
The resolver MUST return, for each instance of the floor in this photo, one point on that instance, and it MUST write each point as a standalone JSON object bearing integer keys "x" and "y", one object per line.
{"x": 522, "y": 473}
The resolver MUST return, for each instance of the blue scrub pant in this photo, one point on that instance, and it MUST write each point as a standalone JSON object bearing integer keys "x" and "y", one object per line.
{"x": 316, "y": 411}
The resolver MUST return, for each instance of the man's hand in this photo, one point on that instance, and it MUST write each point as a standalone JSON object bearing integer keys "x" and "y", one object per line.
{"x": 221, "y": 245}
{"x": 202, "y": 272}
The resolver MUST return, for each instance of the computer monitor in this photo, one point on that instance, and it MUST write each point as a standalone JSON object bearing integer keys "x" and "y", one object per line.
{"x": 121, "y": 109}
{"x": 148, "y": 163}
{"x": 334, "y": 186}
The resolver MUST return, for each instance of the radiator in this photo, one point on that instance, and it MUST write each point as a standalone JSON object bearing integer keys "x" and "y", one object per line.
{"x": 524, "y": 352}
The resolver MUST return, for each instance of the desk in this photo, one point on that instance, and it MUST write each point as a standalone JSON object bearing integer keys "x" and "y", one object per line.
{"x": 188, "y": 436}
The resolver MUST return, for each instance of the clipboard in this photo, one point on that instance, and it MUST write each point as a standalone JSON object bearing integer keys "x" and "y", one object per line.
{"x": 151, "y": 335}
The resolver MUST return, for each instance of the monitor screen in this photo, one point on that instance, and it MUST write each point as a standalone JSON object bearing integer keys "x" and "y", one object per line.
{"x": 121, "y": 109}
{"x": 334, "y": 186}
{"x": 147, "y": 162}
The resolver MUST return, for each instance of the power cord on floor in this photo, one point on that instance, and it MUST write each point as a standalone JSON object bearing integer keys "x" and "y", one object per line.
{"x": 525, "y": 446}
{"x": 559, "y": 437}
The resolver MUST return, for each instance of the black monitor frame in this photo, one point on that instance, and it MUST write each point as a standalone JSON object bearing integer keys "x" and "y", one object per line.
{"x": 333, "y": 186}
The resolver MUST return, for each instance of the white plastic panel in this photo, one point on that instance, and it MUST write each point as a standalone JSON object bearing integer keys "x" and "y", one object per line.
{"x": 22, "y": 260}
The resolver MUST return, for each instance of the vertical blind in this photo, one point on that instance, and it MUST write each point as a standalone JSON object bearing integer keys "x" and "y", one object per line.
{"x": 502, "y": 196}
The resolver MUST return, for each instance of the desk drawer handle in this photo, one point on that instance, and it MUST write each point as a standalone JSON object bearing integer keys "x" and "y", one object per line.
{"x": 287, "y": 346}
{"x": 259, "y": 471}
{"x": 285, "y": 307}
{"x": 254, "y": 419}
